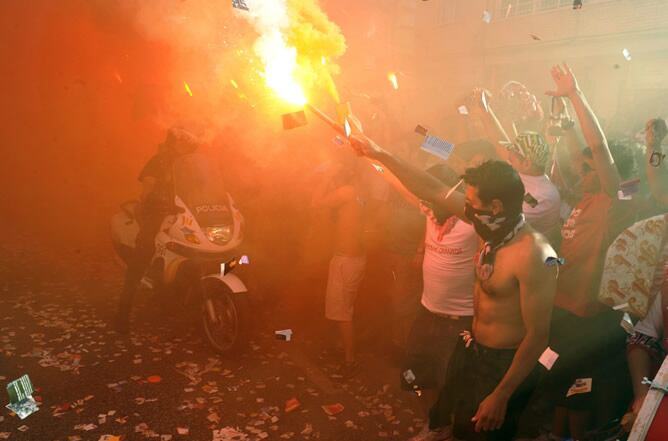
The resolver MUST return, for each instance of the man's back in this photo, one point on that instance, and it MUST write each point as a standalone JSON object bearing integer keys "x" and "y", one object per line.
{"x": 349, "y": 223}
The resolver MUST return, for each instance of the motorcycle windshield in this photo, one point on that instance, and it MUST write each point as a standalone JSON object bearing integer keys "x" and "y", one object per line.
{"x": 198, "y": 181}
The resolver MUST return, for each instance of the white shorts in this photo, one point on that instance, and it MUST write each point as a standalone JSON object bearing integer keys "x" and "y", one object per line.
{"x": 345, "y": 275}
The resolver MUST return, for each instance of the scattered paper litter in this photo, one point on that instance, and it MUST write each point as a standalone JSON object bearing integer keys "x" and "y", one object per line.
{"x": 240, "y": 4}
{"x": 333, "y": 409}
{"x": 420, "y": 130}
{"x": 487, "y": 17}
{"x": 182, "y": 430}
{"x": 622, "y": 306}
{"x": 291, "y": 404}
{"x": 86, "y": 427}
{"x": 463, "y": 110}
{"x": 581, "y": 386}
{"x": 284, "y": 334}
{"x": 627, "y": 324}
{"x": 548, "y": 358}
{"x": 627, "y": 54}
{"x": 437, "y": 147}
{"x": 229, "y": 434}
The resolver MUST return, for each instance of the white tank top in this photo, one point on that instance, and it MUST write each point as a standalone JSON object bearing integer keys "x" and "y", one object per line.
{"x": 448, "y": 269}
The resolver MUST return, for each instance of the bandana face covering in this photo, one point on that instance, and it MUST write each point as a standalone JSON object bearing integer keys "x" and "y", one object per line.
{"x": 496, "y": 231}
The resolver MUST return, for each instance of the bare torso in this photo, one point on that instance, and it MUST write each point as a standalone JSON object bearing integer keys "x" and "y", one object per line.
{"x": 498, "y": 321}
{"x": 349, "y": 228}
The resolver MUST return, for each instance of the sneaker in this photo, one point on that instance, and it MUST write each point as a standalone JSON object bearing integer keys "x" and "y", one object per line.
{"x": 347, "y": 370}
{"x": 426, "y": 434}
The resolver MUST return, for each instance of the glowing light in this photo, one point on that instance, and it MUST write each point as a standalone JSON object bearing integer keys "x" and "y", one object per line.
{"x": 234, "y": 84}
{"x": 187, "y": 88}
{"x": 323, "y": 60}
{"x": 280, "y": 63}
{"x": 393, "y": 79}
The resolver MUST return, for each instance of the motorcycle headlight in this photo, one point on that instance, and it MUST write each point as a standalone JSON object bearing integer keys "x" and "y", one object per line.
{"x": 220, "y": 234}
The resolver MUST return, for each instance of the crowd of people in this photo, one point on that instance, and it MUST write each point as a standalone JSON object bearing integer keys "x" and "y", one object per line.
{"x": 509, "y": 339}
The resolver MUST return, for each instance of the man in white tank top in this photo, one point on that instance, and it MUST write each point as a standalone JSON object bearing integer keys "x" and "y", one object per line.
{"x": 446, "y": 305}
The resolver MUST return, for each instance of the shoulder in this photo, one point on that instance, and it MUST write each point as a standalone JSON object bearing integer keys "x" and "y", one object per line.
{"x": 533, "y": 249}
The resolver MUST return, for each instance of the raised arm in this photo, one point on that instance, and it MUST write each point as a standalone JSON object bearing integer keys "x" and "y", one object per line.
{"x": 419, "y": 182}
{"x": 401, "y": 188}
{"x": 591, "y": 129}
{"x": 657, "y": 174}
{"x": 538, "y": 284}
{"x": 493, "y": 128}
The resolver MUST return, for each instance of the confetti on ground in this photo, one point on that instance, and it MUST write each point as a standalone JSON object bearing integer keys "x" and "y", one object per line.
{"x": 67, "y": 339}
{"x": 333, "y": 409}
{"x": 284, "y": 334}
{"x": 291, "y": 405}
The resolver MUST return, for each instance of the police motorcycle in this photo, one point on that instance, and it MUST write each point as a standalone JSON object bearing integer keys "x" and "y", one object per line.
{"x": 195, "y": 250}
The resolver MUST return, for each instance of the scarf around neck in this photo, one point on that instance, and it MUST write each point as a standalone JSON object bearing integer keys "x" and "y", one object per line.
{"x": 485, "y": 259}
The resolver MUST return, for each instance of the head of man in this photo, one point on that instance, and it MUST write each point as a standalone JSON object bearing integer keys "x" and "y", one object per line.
{"x": 529, "y": 154}
{"x": 623, "y": 156}
{"x": 180, "y": 141}
{"x": 474, "y": 153}
{"x": 494, "y": 197}
{"x": 344, "y": 168}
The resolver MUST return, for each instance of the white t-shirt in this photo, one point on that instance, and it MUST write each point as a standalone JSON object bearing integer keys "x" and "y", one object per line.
{"x": 448, "y": 269}
{"x": 652, "y": 324}
{"x": 544, "y": 217}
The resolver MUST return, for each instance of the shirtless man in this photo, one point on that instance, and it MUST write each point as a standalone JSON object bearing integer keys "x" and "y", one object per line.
{"x": 339, "y": 193}
{"x": 491, "y": 373}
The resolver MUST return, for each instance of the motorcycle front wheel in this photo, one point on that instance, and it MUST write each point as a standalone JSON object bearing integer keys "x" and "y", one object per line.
{"x": 225, "y": 318}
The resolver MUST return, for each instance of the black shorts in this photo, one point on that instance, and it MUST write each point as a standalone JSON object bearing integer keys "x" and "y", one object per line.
{"x": 473, "y": 374}
{"x": 430, "y": 344}
{"x": 588, "y": 347}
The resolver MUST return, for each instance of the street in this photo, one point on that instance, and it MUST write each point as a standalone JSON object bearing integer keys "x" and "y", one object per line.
{"x": 163, "y": 381}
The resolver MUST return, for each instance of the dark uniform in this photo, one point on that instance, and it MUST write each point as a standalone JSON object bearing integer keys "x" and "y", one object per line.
{"x": 157, "y": 205}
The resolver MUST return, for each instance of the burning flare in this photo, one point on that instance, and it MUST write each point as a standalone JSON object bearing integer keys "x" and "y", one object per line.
{"x": 280, "y": 65}
{"x": 297, "y": 44}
